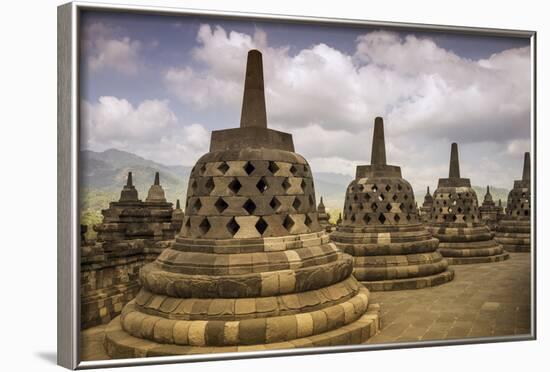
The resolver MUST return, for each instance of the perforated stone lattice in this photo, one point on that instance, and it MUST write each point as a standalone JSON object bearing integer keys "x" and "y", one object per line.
{"x": 256, "y": 198}
{"x": 519, "y": 203}
{"x": 386, "y": 202}
{"x": 452, "y": 206}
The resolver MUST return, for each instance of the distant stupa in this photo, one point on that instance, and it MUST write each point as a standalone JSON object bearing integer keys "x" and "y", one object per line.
{"x": 489, "y": 211}
{"x": 324, "y": 217}
{"x": 514, "y": 229}
{"x": 427, "y": 206}
{"x": 252, "y": 269}
{"x": 455, "y": 221}
{"x": 382, "y": 229}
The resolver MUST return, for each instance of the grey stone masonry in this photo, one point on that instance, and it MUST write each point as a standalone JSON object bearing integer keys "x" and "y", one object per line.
{"x": 252, "y": 268}
{"x": 514, "y": 229}
{"x": 131, "y": 234}
{"x": 382, "y": 229}
{"x": 455, "y": 221}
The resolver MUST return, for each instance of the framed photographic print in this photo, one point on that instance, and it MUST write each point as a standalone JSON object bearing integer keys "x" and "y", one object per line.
{"x": 239, "y": 185}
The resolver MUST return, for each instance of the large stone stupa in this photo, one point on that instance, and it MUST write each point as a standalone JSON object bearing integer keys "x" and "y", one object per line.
{"x": 252, "y": 269}
{"x": 514, "y": 229}
{"x": 383, "y": 231}
{"x": 456, "y": 222}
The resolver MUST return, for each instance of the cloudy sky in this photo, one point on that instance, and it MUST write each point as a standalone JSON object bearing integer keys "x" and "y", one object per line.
{"x": 157, "y": 85}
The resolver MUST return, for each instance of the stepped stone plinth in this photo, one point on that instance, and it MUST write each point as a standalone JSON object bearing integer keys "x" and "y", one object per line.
{"x": 252, "y": 269}
{"x": 427, "y": 206}
{"x": 131, "y": 234}
{"x": 381, "y": 228}
{"x": 324, "y": 217}
{"x": 455, "y": 221}
{"x": 489, "y": 211}
{"x": 514, "y": 229}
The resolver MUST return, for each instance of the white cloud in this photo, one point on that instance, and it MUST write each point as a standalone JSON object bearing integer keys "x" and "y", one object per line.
{"x": 428, "y": 96}
{"x": 149, "y": 129}
{"x": 104, "y": 50}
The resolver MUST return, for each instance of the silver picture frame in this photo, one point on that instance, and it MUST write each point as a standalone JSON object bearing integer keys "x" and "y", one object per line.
{"x": 68, "y": 246}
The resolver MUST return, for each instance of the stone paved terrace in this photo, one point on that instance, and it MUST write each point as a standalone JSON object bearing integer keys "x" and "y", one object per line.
{"x": 483, "y": 300}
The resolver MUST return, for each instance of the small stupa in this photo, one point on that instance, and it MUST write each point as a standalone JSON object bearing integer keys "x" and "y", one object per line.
{"x": 489, "y": 211}
{"x": 160, "y": 212}
{"x": 382, "y": 229}
{"x": 252, "y": 269}
{"x": 323, "y": 216}
{"x": 427, "y": 206}
{"x": 514, "y": 229}
{"x": 125, "y": 218}
{"x": 456, "y": 222}
{"x": 177, "y": 217}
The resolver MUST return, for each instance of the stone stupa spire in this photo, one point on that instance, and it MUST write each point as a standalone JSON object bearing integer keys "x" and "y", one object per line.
{"x": 456, "y": 220}
{"x": 378, "y": 153}
{"x": 526, "y": 167}
{"x": 129, "y": 192}
{"x": 514, "y": 229}
{"x": 253, "y": 113}
{"x": 379, "y": 202}
{"x": 156, "y": 192}
{"x": 454, "y": 166}
{"x": 250, "y": 241}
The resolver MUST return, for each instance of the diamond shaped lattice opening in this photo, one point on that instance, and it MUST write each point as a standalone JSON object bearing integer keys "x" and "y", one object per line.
{"x": 352, "y": 218}
{"x": 273, "y": 167}
{"x": 209, "y": 184}
{"x": 374, "y": 188}
{"x": 374, "y": 207}
{"x": 388, "y": 187}
{"x": 223, "y": 167}
{"x": 197, "y": 205}
{"x": 396, "y": 218}
{"x": 366, "y": 219}
{"x": 311, "y": 201}
{"x": 395, "y": 197}
{"x": 261, "y": 226}
{"x": 382, "y": 218}
{"x": 249, "y": 168}
{"x": 202, "y": 169}
{"x": 221, "y": 205}
{"x": 303, "y": 184}
{"x": 262, "y": 185}
{"x": 194, "y": 185}
{"x": 232, "y": 226}
{"x": 286, "y": 185}
{"x": 249, "y": 206}
{"x": 307, "y": 221}
{"x": 296, "y": 204}
{"x": 234, "y": 186}
{"x": 388, "y": 207}
{"x": 381, "y": 197}
{"x": 293, "y": 170}
{"x": 204, "y": 226}
{"x": 275, "y": 203}
{"x": 288, "y": 223}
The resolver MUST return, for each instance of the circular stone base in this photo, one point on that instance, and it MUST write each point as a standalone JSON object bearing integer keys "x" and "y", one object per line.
{"x": 522, "y": 248}
{"x": 411, "y": 283}
{"x": 475, "y": 260}
{"x": 120, "y": 344}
